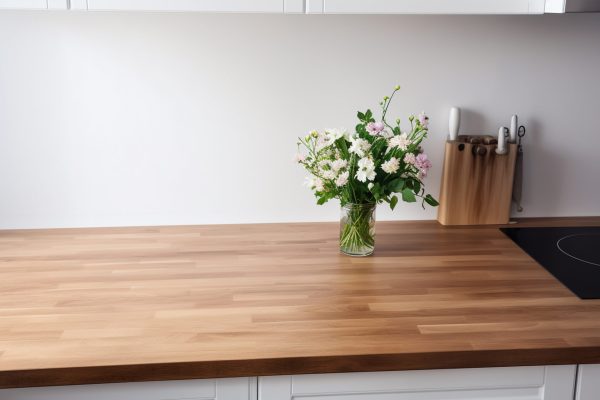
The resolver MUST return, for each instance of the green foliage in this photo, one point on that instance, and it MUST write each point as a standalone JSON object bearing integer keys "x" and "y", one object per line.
{"x": 408, "y": 195}
{"x": 431, "y": 201}
{"x": 393, "y": 202}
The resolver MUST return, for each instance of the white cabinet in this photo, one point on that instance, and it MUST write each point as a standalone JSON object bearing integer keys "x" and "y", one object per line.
{"x": 511, "y": 383}
{"x": 293, "y": 6}
{"x": 430, "y": 6}
{"x": 197, "y": 389}
{"x": 33, "y": 4}
{"x": 310, "y": 6}
{"x": 588, "y": 382}
{"x": 259, "y": 6}
{"x": 572, "y": 6}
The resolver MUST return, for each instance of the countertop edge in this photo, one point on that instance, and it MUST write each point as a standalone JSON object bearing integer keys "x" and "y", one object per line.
{"x": 297, "y": 366}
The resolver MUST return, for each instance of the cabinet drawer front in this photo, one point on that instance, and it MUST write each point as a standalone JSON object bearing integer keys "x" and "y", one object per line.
{"x": 274, "y": 6}
{"x": 451, "y": 379}
{"x": 196, "y": 389}
{"x": 518, "y": 383}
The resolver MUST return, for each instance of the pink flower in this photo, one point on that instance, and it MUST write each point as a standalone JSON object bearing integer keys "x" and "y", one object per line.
{"x": 409, "y": 158}
{"x": 423, "y": 164}
{"x": 374, "y": 128}
{"x": 424, "y": 119}
{"x": 299, "y": 157}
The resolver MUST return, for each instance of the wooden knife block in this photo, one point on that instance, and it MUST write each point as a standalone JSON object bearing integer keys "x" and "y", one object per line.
{"x": 476, "y": 189}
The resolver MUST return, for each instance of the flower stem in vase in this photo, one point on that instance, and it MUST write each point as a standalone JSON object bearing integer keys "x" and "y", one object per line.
{"x": 357, "y": 229}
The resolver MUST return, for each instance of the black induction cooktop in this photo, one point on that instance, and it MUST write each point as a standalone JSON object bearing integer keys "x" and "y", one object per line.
{"x": 571, "y": 254}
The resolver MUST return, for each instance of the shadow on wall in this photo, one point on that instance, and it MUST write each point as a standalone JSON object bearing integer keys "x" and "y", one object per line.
{"x": 473, "y": 122}
{"x": 537, "y": 155}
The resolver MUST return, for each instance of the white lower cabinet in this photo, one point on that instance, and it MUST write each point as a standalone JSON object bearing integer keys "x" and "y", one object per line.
{"x": 196, "y": 389}
{"x": 588, "y": 382}
{"x": 556, "y": 382}
{"x": 511, "y": 383}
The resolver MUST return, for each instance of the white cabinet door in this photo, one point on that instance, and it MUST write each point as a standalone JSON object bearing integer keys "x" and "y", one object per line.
{"x": 518, "y": 383}
{"x": 433, "y": 6}
{"x": 293, "y": 6}
{"x": 197, "y": 389}
{"x": 33, "y": 4}
{"x": 588, "y": 382}
{"x": 264, "y": 6}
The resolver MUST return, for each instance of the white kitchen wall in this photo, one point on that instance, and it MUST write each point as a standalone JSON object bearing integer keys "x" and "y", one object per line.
{"x": 143, "y": 119}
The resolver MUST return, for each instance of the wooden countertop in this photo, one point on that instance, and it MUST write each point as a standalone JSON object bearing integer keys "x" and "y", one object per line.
{"x": 134, "y": 304}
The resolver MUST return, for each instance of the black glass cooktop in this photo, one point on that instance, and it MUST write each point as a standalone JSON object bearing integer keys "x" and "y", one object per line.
{"x": 571, "y": 254}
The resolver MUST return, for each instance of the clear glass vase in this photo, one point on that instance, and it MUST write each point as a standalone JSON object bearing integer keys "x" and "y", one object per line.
{"x": 357, "y": 229}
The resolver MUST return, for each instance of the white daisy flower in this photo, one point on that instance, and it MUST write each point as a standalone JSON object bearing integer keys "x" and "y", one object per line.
{"x": 342, "y": 179}
{"x": 315, "y": 184}
{"x": 338, "y": 164}
{"x": 334, "y": 134}
{"x": 401, "y": 141}
{"x": 391, "y": 166}
{"x": 359, "y": 147}
{"x": 329, "y": 174}
{"x": 366, "y": 170}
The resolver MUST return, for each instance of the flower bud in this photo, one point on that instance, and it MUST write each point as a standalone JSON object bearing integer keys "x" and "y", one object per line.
{"x": 398, "y": 121}
{"x": 411, "y": 118}
{"x": 385, "y": 98}
{"x": 314, "y": 134}
{"x": 397, "y": 87}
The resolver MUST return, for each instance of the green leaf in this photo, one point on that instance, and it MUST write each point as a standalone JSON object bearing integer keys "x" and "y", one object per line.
{"x": 368, "y": 115}
{"x": 361, "y": 130}
{"x": 393, "y": 202}
{"x": 322, "y": 200}
{"x": 397, "y": 185}
{"x": 408, "y": 196}
{"x": 376, "y": 190}
{"x": 360, "y": 116}
{"x": 416, "y": 186}
{"x": 431, "y": 201}
{"x": 343, "y": 146}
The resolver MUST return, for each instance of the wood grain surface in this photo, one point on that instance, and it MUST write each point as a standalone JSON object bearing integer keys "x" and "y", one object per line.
{"x": 476, "y": 189}
{"x": 157, "y": 303}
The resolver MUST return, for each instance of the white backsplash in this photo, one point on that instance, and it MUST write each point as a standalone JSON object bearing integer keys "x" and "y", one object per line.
{"x": 143, "y": 119}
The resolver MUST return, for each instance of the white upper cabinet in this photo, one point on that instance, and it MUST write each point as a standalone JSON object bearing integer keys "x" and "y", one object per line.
{"x": 33, "y": 4}
{"x": 572, "y": 6}
{"x": 242, "y": 6}
{"x": 293, "y": 6}
{"x": 429, "y": 6}
{"x": 316, "y": 6}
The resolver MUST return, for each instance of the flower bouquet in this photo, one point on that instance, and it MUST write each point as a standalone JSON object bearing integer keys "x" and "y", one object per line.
{"x": 377, "y": 163}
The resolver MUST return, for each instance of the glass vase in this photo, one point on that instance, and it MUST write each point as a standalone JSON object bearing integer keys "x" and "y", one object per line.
{"x": 357, "y": 229}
